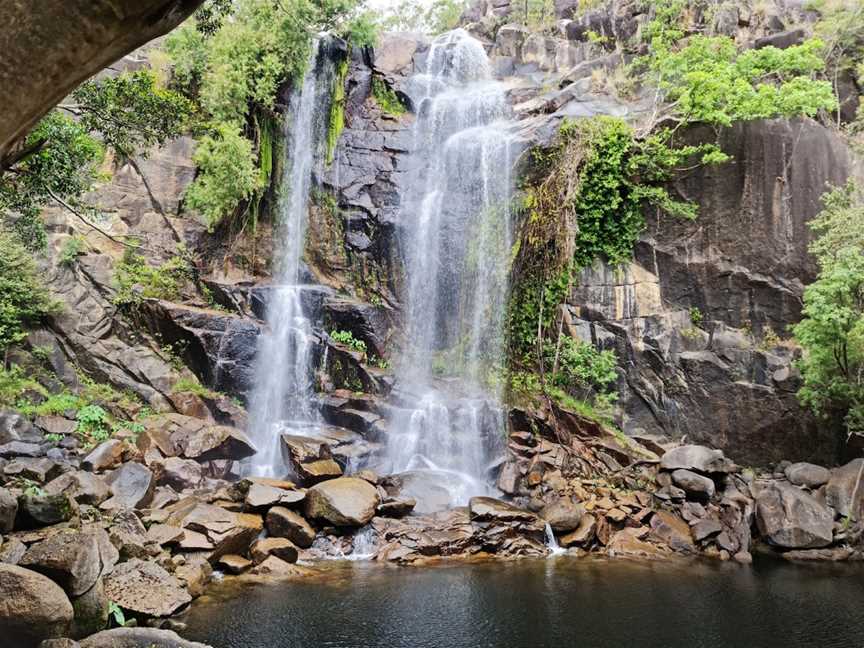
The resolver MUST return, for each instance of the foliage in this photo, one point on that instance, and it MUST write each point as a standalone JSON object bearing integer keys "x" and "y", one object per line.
{"x": 578, "y": 365}
{"x": 193, "y": 386}
{"x": 130, "y": 113}
{"x": 386, "y": 98}
{"x": 841, "y": 28}
{"x": 93, "y": 423}
{"x": 696, "y": 316}
{"x": 347, "y": 338}
{"x": 116, "y": 613}
{"x": 73, "y": 247}
{"x": 232, "y": 65}
{"x": 61, "y": 162}
{"x": 433, "y": 17}
{"x": 14, "y": 384}
{"x": 831, "y": 331}
{"x": 136, "y": 280}
{"x": 336, "y": 120}
{"x": 24, "y": 300}
{"x": 537, "y": 14}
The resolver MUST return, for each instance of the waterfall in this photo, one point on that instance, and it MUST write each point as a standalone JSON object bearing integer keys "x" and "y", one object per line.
{"x": 281, "y": 399}
{"x": 554, "y": 548}
{"x": 455, "y": 235}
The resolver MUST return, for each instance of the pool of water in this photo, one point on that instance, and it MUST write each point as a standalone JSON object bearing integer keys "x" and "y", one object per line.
{"x": 562, "y": 602}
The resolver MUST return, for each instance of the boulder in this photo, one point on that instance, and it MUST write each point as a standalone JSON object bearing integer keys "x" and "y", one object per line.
{"x": 791, "y": 518}
{"x": 15, "y": 427}
{"x": 91, "y": 610}
{"x": 694, "y": 484}
{"x": 56, "y": 425}
{"x": 280, "y": 547}
{"x": 698, "y": 458}
{"x": 345, "y": 501}
{"x": 563, "y": 515}
{"x": 234, "y": 564}
{"x": 310, "y": 458}
{"x": 215, "y": 442}
{"x": 105, "y": 456}
{"x": 8, "y": 510}
{"x": 807, "y": 474}
{"x": 138, "y": 638}
{"x": 213, "y": 528}
{"x": 178, "y": 473}
{"x": 44, "y": 510}
{"x": 32, "y": 607}
{"x": 12, "y": 551}
{"x": 41, "y": 470}
{"x": 283, "y": 523}
{"x": 396, "y": 506}
{"x": 583, "y": 534}
{"x": 672, "y": 531}
{"x": 845, "y": 490}
{"x": 264, "y": 496}
{"x": 145, "y": 588}
{"x": 15, "y": 449}
{"x": 706, "y": 528}
{"x": 131, "y": 487}
{"x": 83, "y": 487}
{"x": 487, "y": 509}
{"x": 69, "y": 559}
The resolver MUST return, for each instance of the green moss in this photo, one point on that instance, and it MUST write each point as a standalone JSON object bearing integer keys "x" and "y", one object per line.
{"x": 386, "y": 98}
{"x": 337, "y": 109}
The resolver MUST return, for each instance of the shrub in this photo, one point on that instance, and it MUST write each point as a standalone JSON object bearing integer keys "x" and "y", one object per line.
{"x": 347, "y": 338}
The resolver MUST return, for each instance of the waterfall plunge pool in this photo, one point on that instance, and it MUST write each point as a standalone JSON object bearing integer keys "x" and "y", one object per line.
{"x": 563, "y": 602}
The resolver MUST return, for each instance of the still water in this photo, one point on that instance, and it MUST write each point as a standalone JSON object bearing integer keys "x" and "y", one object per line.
{"x": 561, "y": 602}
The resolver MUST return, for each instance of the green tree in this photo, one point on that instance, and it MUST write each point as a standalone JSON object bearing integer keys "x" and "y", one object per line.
{"x": 420, "y": 16}
{"x": 831, "y": 331}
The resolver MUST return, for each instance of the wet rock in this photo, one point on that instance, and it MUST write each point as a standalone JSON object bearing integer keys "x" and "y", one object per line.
{"x": 178, "y": 473}
{"x": 91, "y": 610}
{"x": 845, "y": 490}
{"x": 396, "y": 506}
{"x": 84, "y": 487}
{"x": 104, "y": 456}
{"x": 138, "y": 638}
{"x": 583, "y": 534}
{"x": 425, "y": 489}
{"x": 807, "y": 474}
{"x": 145, "y": 588}
{"x": 131, "y": 487}
{"x": 563, "y": 515}
{"x": 310, "y": 458}
{"x": 344, "y": 501}
{"x": 283, "y": 523}
{"x": 632, "y": 542}
{"x": 234, "y": 564}
{"x": 8, "y": 510}
{"x": 32, "y": 607}
{"x": 698, "y": 458}
{"x": 672, "y": 531}
{"x": 44, "y": 510}
{"x": 694, "y": 484}
{"x": 282, "y": 548}
{"x": 71, "y": 560}
{"x": 791, "y": 518}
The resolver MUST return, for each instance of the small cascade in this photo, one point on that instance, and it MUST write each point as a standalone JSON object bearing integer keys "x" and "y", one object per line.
{"x": 364, "y": 544}
{"x": 552, "y": 543}
{"x": 455, "y": 234}
{"x": 281, "y": 399}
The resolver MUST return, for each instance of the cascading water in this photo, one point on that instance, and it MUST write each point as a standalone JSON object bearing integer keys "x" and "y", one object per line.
{"x": 281, "y": 400}
{"x": 455, "y": 233}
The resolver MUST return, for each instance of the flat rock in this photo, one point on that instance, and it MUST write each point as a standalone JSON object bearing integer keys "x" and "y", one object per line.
{"x": 234, "y": 564}
{"x": 672, "y": 531}
{"x": 791, "y": 518}
{"x": 145, "y": 588}
{"x": 40, "y": 469}
{"x": 131, "y": 487}
{"x": 491, "y": 509}
{"x": 84, "y": 487}
{"x": 138, "y": 638}
{"x": 345, "y": 501}
{"x": 696, "y": 485}
{"x": 282, "y": 548}
{"x": 284, "y": 523}
{"x": 263, "y": 496}
{"x": 56, "y": 425}
{"x": 20, "y": 449}
{"x": 807, "y": 474}
{"x": 698, "y": 458}
{"x": 69, "y": 559}
{"x": 32, "y": 607}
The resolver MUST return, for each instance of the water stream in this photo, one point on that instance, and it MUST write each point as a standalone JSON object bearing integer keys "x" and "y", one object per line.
{"x": 281, "y": 400}
{"x": 455, "y": 234}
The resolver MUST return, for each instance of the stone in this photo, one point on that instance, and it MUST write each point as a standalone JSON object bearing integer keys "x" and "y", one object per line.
{"x": 396, "y": 506}
{"x": 491, "y": 509}
{"x": 20, "y": 449}
{"x": 56, "y": 425}
{"x": 105, "y": 456}
{"x": 845, "y": 490}
{"x": 220, "y": 531}
{"x": 145, "y": 588}
{"x": 310, "y": 458}
{"x": 791, "y": 518}
{"x": 44, "y": 510}
{"x": 164, "y": 534}
{"x": 8, "y": 510}
{"x": 672, "y": 531}
{"x": 282, "y": 548}
{"x": 40, "y": 470}
{"x": 12, "y": 551}
{"x": 706, "y": 528}
{"x": 344, "y": 501}
{"x": 178, "y": 473}
{"x": 395, "y": 52}
{"x": 563, "y": 515}
{"x": 283, "y": 523}
{"x": 32, "y": 607}
{"x": 583, "y": 534}
{"x": 264, "y": 496}
{"x": 234, "y": 564}
{"x": 131, "y": 487}
{"x": 71, "y": 560}
{"x": 698, "y": 458}
{"x": 138, "y": 638}
{"x": 83, "y": 487}
{"x": 215, "y": 442}
{"x": 194, "y": 573}
{"x": 807, "y": 474}
{"x": 16, "y": 427}
{"x": 698, "y": 486}
{"x": 91, "y": 610}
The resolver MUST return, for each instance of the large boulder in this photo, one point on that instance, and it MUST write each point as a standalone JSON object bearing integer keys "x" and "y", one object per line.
{"x": 131, "y": 487}
{"x": 138, "y": 638}
{"x": 45, "y": 510}
{"x": 345, "y": 501}
{"x": 282, "y": 548}
{"x": 807, "y": 474}
{"x": 84, "y": 487}
{"x": 32, "y": 608}
{"x": 696, "y": 485}
{"x": 194, "y": 438}
{"x": 145, "y": 588}
{"x": 698, "y": 458}
{"x": 563, "y": 515}
{"x": 91, "y": 610}
{"x": 69, "y": 559}
{"x": 310, "y": 458}
{"x": 178, "y": 473}
{"x": 791, "y": 518}
{"x": 845, "y": 490}
{"x": 284, "y": 523}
